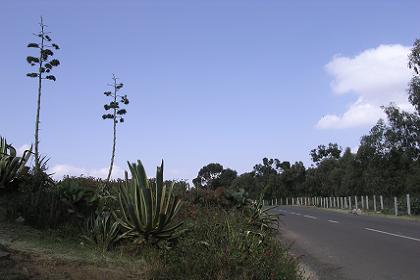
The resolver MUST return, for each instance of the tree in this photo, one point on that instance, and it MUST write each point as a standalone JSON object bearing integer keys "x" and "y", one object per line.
{"x": 44, "y": 64}
{"x": 414, "y": 85}
{"x": 332, "y": 151}
{"x": 116, "y": 115}
{"x": 208, "y": 176}
{"x": 213, "y": 175}
{"x": 227, "y": 177}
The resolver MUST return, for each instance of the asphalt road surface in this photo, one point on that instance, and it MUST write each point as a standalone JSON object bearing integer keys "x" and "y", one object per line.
{"x": 345, "y": 246}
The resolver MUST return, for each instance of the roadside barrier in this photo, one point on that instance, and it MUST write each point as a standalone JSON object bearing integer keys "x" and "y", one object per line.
{"x": 405, "y": 205}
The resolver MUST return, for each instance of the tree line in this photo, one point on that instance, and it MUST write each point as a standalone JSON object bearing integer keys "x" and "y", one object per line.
{"x": 386, "y": 162}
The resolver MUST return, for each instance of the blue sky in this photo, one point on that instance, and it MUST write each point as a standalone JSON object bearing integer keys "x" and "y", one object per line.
{"x": 209, "y": 81}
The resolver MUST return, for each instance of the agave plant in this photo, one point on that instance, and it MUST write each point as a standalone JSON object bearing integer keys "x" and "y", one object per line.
{"x": 147, "y": 208}
{"x": 102, "y": 230}
{"x": 261, "y": 216}
{"x": 10, "y": 164}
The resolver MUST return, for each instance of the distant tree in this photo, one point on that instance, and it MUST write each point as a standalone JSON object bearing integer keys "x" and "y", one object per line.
{"x": 414, "y": 85}
{"x": 208, "y": 176}
{"x": 116, "y": 115}
{"x": 247, "y": 182}
{"x": 44, "y": 64}
{"x": 268, "y": 166}
{"x": 322, "y": 152}
{"x": 292, "y": 178}
{"x": 227, "y": 177}
{"x": 213, "y": 175}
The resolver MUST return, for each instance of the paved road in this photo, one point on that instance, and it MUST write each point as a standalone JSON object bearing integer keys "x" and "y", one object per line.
{"x": 345, "y": 246}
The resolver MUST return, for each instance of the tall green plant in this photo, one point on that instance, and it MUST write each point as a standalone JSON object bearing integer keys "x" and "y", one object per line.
{"x": 44, "y": 64}
{"x": 102, "y": 230}
{"x": 116, "y": 114}
{"x": 261, "y": 216}
{"x": 10, "y": 164}
{"x": 147, "y": 209}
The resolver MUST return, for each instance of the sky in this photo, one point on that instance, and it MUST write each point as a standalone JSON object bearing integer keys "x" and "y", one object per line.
{"x": 227, "y": 81}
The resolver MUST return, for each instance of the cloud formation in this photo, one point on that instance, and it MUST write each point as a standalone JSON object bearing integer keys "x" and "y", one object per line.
{"x": 376, "y": 76}
{"x": 61, "y": 170}
{"x": 22, "y": 149}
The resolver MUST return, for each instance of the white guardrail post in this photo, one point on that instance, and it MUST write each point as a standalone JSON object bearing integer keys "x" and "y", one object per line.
{"x": 367, "y": 202}
{"x": 355, "y": 202}
{"x": 395, "y": 206}
{"x": 381, "y": 198}
{"x": 408, "y": 205}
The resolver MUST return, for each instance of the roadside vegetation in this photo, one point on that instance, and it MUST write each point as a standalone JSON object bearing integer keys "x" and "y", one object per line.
{"x": 142, "y": 227}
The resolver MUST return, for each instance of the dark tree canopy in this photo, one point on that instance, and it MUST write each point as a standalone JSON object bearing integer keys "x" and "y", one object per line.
{"x": 322, "y": 152}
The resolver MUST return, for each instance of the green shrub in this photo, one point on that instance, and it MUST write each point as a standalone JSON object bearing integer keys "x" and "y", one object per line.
{"x": 102, "y": 230}
{"x": 147, "y": 208}
{"x": 260, "y": 216}
{"x": 45, "y": 204}
{"x": 220, "y": 245}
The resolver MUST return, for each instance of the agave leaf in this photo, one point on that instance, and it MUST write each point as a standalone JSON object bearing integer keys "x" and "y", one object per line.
{"x": 147, "y": 208}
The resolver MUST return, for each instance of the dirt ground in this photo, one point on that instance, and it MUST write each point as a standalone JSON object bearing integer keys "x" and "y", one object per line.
{"x": 21, "y": 259}
{"x": 22, "y": 266}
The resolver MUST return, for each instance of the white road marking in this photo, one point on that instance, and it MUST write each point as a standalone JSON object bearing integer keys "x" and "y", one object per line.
{"x": 298, "y": 214}
{"x": 393, "y": 234}
{"x": 332, "y": 221}
{"x": 310, "y": 217}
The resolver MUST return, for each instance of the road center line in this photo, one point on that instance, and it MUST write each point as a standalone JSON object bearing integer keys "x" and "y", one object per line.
{"x": 393, "y": 234}
{"x": 310, "y": 217}
{"x": 298, "y": 214}
{"x": 332, "y": 221}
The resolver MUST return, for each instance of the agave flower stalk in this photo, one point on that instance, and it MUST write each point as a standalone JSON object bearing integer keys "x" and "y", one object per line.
{"x": 44, "y": 64}
{"x": 116, "y": 114}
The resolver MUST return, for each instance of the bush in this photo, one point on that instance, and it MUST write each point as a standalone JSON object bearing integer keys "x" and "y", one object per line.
{"x": 220, "y": 245}
{"x": 45, "y": 204}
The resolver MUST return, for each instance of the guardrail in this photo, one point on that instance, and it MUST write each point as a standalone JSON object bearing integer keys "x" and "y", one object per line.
{"x": 405, "y": 205}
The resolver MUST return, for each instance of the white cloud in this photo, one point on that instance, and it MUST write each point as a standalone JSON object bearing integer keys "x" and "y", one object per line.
{"x": 22, "y": 149}
{"x": 376, "y": 76}
{"x": 61, "y": 170}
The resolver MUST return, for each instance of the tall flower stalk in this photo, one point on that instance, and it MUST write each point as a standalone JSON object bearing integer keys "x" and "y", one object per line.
{"x": 44, "y": 64}
{"x": 116, "y": 114}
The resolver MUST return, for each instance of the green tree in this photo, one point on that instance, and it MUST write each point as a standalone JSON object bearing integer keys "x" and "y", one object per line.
{"x": 44, "y": 63}
{"x": 330, "y": 151}
{"x": 116, "y": 115}
{"x": 213, "y": 175}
